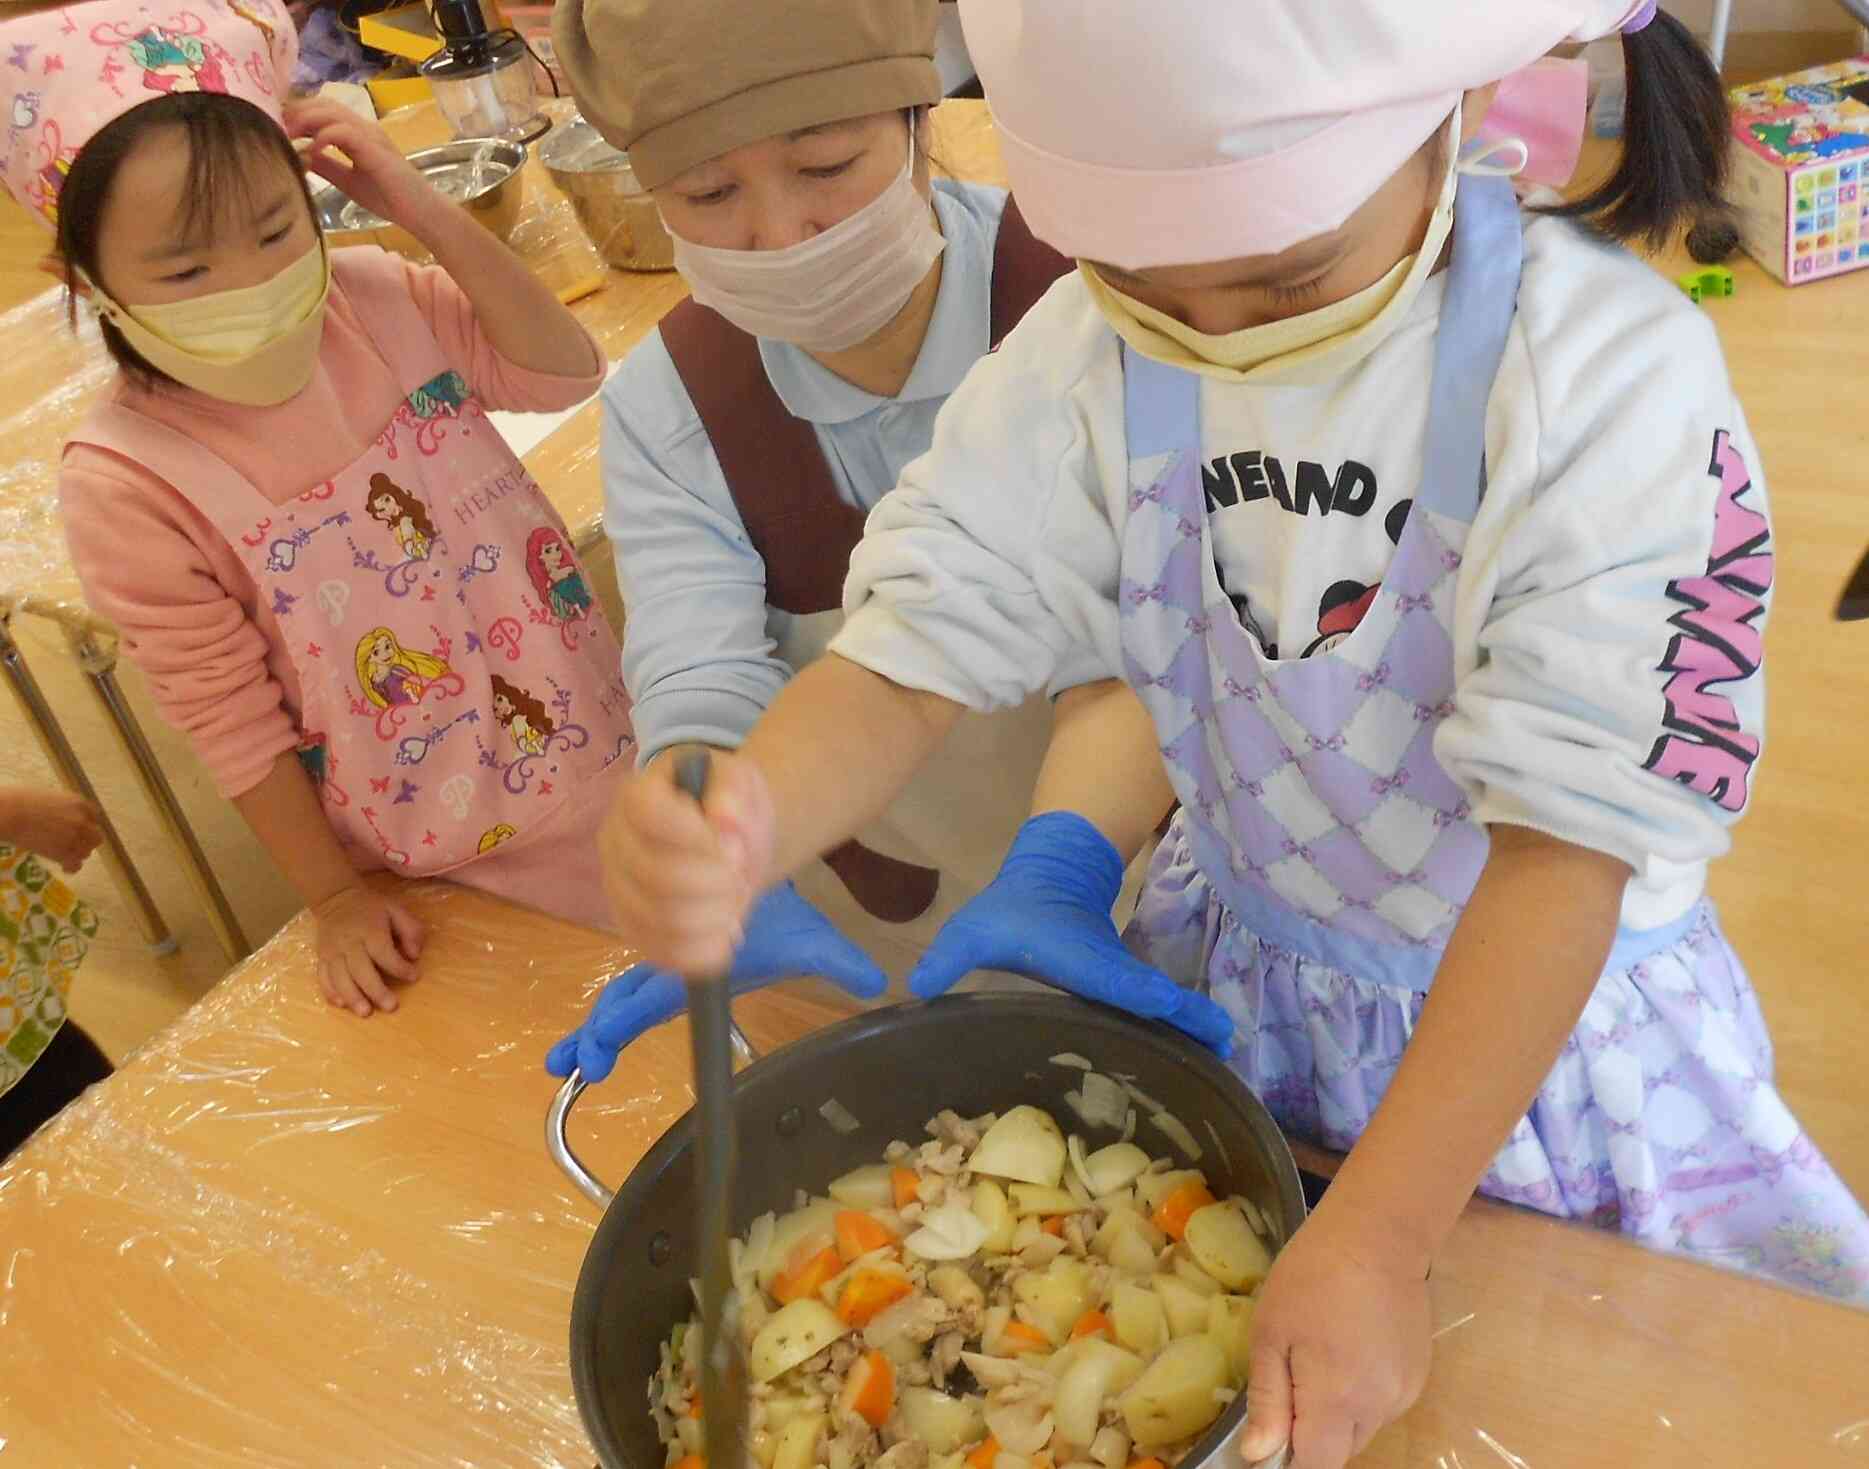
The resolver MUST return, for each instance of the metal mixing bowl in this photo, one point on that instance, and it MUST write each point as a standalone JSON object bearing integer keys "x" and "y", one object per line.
{"x": 616, "y": 211}
{"x": 893, "y": 1069}
{"x": 485, "y": 176}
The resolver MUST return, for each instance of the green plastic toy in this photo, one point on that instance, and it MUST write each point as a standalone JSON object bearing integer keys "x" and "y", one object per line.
{"x": 1714, "y": 281}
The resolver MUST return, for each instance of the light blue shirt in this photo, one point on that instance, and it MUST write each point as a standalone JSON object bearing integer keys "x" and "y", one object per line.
{"x": 698, "y": 652}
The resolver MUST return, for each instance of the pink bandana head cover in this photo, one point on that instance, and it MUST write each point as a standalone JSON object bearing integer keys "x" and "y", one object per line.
{"x": 1174, "y": 132}
{"x": 65, "y": 74}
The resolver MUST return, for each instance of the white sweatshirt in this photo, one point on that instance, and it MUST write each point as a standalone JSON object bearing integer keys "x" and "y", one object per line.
{"x": 1614, "y": 587}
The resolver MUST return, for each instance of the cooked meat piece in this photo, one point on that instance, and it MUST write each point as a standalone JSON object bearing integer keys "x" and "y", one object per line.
{"x": 916, "y": 1319}
{"x": 911, "y": 1453}
{"x": 946, "y": 1358}
{"x": 956, "y": 1131}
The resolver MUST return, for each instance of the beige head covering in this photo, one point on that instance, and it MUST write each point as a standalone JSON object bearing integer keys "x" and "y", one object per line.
{"x": 677, "y": 82}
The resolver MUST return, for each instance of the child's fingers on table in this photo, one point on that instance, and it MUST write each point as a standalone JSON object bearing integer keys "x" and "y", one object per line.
{"x": 344, "y": 984}
{"x": 410, "y": 934}
{"x": 388, "y": 960}
{"x": 366, "y": 972}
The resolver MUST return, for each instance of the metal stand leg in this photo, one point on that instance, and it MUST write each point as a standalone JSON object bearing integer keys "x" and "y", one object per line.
{"x": 64, "y": 760}
{"x": 99, "y": 666}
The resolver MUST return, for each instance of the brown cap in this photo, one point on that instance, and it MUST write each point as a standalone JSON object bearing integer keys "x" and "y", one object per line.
{"x": 677, "y": 82}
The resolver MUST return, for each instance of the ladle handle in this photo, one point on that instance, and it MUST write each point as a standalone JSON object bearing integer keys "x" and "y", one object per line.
{"x": 558, "y": 1145}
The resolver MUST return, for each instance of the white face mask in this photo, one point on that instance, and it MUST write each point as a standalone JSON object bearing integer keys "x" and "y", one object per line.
{"x": 257, "y": 346}
{"x": 1315, "y": 347}
{"x": 833, "y": 291}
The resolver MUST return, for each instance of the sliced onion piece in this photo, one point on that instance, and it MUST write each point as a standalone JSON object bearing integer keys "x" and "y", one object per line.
{"x": 950, "y": 1232}
{"x": 1177, "y": 1133}
{"x": 1072, "y": 1060}
{"x": 843, "y": 1121}
{"x": 1021, "y": 1428}
{"x": 1080, "y": 1166}
{"x": 1112, "y": 1168}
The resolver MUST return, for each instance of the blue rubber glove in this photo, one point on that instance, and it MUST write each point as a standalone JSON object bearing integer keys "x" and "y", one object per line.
{"x": 1047, "y": 916}
{"x": 785, "y": 936}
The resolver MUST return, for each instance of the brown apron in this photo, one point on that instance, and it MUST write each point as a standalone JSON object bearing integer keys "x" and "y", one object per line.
{"x": 788, "y": 500}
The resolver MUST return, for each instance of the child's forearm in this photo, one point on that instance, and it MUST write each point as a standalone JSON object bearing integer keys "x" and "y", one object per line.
{"x": 835, "y": 748}
{"x": 286, "y": 816}
{"x": 1522, "y": 963}
{"x": 524, "y": 321}
{"x": 1105, "y": 764}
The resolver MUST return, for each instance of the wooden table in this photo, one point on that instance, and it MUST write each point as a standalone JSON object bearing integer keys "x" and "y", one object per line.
{"x": 281, "y": 1236}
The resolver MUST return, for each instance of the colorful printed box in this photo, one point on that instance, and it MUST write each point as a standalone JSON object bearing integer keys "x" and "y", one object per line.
{"x": 1801, "y": 174}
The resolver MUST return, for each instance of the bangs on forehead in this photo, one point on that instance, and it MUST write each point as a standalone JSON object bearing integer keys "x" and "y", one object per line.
{"x": 237, "y": 157}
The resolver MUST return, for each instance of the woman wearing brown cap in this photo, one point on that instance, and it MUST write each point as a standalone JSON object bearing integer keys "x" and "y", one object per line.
{"x": 840, "y": 296}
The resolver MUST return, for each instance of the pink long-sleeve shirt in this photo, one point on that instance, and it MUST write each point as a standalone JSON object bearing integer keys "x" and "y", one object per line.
{"x": 191, "y": 617}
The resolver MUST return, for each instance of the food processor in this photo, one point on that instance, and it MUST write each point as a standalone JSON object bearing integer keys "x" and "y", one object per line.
{"x": 482, "y": 78}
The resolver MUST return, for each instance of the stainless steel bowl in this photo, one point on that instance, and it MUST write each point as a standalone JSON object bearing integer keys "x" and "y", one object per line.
{"x": 616, "y": 211}
{"x": 893, "y": 1069}
{"x": 485, "y": 176}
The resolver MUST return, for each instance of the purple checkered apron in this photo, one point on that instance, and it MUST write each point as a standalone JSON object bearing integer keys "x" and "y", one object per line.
{"x": 1322, "y": 857}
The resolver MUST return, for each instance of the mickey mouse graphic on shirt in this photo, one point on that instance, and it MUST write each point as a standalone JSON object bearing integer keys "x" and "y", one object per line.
{"x": 1344, "y": 605}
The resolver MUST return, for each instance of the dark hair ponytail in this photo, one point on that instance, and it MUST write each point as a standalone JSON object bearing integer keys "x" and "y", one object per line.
{"x": 1677, "y": 140}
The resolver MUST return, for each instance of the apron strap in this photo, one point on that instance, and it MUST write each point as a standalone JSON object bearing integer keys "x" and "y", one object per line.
{"x": 206, "y": 481}
{"x": 1476, "y": 322}
{"x": 1024, "y": 268}
{"x": 773, "y": 464}
{"x": 1161, "y": 407}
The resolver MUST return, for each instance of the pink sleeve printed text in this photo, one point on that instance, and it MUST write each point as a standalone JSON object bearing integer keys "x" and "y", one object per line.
{"x": 1718, "y": 640}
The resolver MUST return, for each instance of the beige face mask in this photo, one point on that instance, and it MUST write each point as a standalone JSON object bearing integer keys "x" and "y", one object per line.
{"x": 257, "y": 346}
{"x": 1300, "y": 351}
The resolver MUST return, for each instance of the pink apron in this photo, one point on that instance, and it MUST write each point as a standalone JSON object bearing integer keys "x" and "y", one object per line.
{"x": 458, "y": 682}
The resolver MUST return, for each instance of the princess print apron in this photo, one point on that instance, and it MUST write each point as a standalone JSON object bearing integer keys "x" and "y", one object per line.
{"x": 457, "y": 683}
{"x": 1322, "y": 857}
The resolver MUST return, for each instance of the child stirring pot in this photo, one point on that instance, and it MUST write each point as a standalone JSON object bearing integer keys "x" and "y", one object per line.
{"x": 1433, "y": 538}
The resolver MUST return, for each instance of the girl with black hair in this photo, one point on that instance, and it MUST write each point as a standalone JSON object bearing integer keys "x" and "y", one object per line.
{"x": 290, "y": 500}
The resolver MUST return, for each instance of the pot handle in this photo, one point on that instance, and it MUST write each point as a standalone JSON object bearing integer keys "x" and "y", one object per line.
{"x": 559, "y": 1145}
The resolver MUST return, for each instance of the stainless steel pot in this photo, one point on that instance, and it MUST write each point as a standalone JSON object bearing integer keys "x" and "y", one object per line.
{"x": 616, "y": 211}
{"x": 485, "y": 176}
{"x": 893, "y": 1069}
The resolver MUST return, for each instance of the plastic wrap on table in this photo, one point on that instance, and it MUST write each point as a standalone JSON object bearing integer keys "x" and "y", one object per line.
{"x": 49, "y": 377}
{"x": 282, "y": 1236}
{"x": 297, "y": 1238}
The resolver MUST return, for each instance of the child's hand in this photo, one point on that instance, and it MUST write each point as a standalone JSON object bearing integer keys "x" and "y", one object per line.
{"x": 64, "y": 828}
{"x": 378, "y": 176}
{"x": 364, "y": 942}
{"x": 1341, "y": 1342}
{"x": 682, "y": 879}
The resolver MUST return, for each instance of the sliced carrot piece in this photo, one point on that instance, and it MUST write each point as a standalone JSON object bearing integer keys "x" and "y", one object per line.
{"x": 1018, "y": 1337}
{"x": 905, "y": 1186}
{"x": 1145, "y": 1464}
{"x": 1054, "y": 1226}
{"x": 983, "y": 1456}
{"x": 1093, "y": 1323}
{"x": 693, "y": 1461}
{"x": 1041, "y": 1460}
{"x": 870, "y": 1391}
{"x": 806, "y": 1277}
{"x": 859, "y": 1235}
{"x": 867, "y": 1292}
{"x": 1172, "y": 1214}
{"x": 694, "y": 1406}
